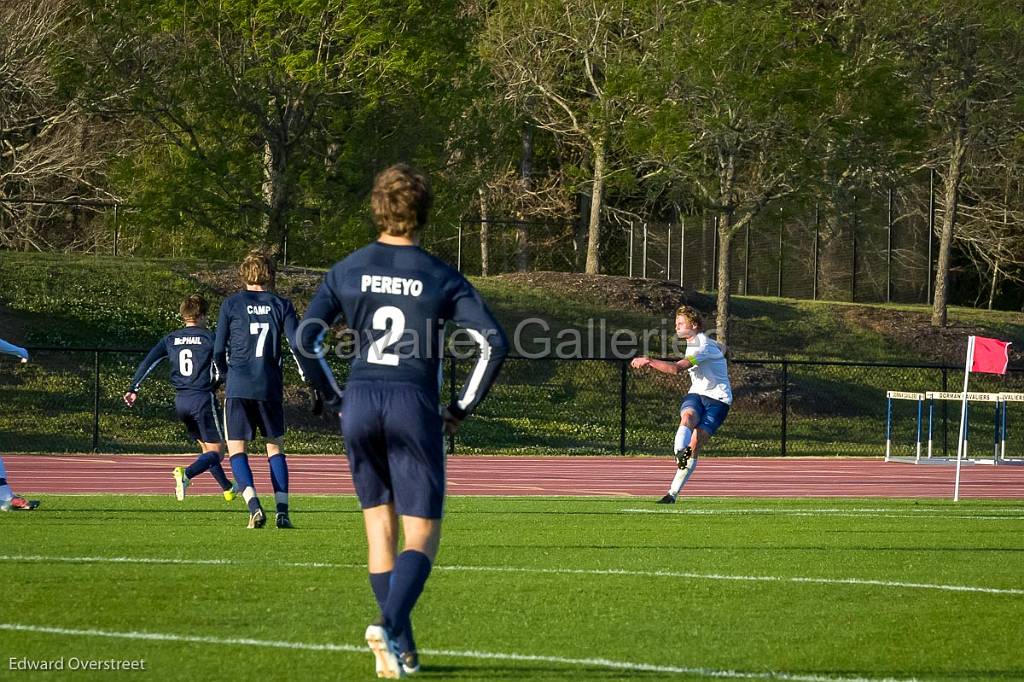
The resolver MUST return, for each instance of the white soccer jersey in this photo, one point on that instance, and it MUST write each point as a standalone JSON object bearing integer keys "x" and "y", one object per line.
{"x": 709, "y": 374}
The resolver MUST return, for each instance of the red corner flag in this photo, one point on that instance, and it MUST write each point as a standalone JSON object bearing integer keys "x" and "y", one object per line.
{"x": 990, "y": 355}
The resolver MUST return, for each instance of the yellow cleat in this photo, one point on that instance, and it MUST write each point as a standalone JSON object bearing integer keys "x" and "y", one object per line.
{"x": 180, "y": 483}
{"x": 230, "y": 493}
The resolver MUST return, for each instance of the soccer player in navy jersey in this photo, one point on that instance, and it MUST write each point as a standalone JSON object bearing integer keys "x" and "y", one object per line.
{"x": 248, "y": 349}
{"x": 397, "y": 299}
{"x": 195, "y": 379}
{"x": 9, "y": 500}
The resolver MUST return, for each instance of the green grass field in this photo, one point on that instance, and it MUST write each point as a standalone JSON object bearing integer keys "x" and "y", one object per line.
{"x": 526, "y": 589}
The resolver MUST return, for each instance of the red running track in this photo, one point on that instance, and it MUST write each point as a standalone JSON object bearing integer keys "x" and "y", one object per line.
{"x": 482, "y": 475}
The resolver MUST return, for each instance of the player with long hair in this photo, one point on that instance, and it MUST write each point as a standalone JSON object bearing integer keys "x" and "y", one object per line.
{"x": 707, "y": 403}
{"x": 251, "y": 326}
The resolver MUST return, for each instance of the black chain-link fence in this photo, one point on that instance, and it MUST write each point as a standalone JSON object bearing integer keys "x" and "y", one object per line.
{"x": 871, "y": 255}
{"x": 70, "y": 401}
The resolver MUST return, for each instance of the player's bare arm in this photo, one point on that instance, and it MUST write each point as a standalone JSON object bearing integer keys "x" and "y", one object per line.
{"x": 663, "y": 366}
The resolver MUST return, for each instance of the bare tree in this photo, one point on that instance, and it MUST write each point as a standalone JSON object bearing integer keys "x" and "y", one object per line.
{"x": 724, "y": 123}
{"x": 991, "y": 231}
{"x": 963, "y": 61}
{"x": 554, "y": 60}
{"x": 53, "y": 149}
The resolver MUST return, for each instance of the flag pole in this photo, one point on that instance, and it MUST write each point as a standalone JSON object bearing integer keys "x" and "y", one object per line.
{"x": 963, "y": 418}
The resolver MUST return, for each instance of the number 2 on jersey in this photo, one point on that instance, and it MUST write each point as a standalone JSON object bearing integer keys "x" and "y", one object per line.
{"x": 393, "y": 333}
{"x": 260, "y": 328}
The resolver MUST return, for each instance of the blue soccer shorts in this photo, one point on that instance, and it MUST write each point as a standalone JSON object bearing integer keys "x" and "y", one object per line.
{"x": 243, "y": 417}
{"x": 394, "y": 440}
{"x": 710, "y": 412}
{"x": 199, "y": 411}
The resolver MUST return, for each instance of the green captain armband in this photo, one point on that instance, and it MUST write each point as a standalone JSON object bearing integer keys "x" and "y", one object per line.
{"x": 691, "y": 359}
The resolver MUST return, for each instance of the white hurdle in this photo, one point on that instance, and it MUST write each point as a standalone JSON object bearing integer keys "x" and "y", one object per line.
{"x": 1005, "y": 398}
{"x": 902, "y": 395}
{"x": 954, "y": 396}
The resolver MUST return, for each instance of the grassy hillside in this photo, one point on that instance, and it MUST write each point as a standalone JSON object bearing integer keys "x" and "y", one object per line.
{"x": 82, "y": 301}
{"x": 76, "y": 302}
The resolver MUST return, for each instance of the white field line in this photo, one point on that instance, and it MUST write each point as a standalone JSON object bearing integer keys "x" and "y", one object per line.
{"x": 1012, "y": 515}
{"x": 477, "y": 655}
{"x": 529, "y": 570}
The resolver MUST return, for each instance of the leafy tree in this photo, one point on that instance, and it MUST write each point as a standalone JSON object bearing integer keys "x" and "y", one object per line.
{"x": 963, "y": 61}
{"x": 262, "y": 117}
{"x": 738, "y": 96}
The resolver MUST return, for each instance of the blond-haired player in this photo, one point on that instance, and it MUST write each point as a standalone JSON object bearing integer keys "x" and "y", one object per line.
{"x": 706, "y": 405}
{"x": 250, "y": 329}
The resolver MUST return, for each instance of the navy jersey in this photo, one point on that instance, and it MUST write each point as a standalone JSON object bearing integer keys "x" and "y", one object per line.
{"x": 250, "y": 329}
{"x": 396, "y": 300}
{"x": 190, "y": 352}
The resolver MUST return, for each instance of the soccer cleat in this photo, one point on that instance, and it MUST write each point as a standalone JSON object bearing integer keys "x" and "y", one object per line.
{"x": 257, "y": 519}
{"x": 19, "y": 503}
{"x": 683, "y": 457}
{"x": 385, "y": 650}
{"x": 180, "y": 483}
{"x": 668, "y": 499}
{"x": 410, "y": 662}
{"x": 283, "y": 521}
{"x": 230, "y": 493}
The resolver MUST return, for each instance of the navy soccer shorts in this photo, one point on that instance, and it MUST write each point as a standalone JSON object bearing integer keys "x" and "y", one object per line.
{"x": 394, "y": 439}
{"x": 198, "y": 412}
{"x": 243, "y": 417}
{"x": 710, "y": 412}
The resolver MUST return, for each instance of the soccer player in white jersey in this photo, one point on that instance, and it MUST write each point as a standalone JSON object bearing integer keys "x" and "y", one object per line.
{"x": 706, "y": 405}
{"x": 9, "y": 501}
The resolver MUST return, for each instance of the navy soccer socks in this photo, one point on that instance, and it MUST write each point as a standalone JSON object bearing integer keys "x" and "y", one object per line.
{"x": 381, "y": 584}
{"x": 279, "y": 480}
{"x": 209, "y": 461}
{"x": 411, "y": 571}
{"x": 243, "y": 476}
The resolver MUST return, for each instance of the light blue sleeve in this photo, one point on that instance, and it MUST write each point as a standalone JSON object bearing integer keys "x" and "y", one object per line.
{"x": 11, "y": 349}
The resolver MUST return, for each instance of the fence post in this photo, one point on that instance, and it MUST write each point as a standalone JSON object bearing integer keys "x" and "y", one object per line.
{"x": 116, "y": 230}
{"x": 817, "y": 236}
{"x": 931, "y": 231}
{"x": 96, "y": 402}
{"x": 623, "y": 397}
{"x": 888, "y": 250}
{"x": 945, "y": 414}
{"x": 853, "y": 265}
{"x": 782, "y": 250}
{"x": 746, "y": 261}
{"x": 668, "y": 255}
{"x": 713, "y": 270}
{"x": 631, "y": 250}
{"x": 458, "y": 257}
{"x": 453, "y": 395}
{"x": 785, "y": 403}
{"x": 643, "y": 268}
{"x": 682, "y": 249}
